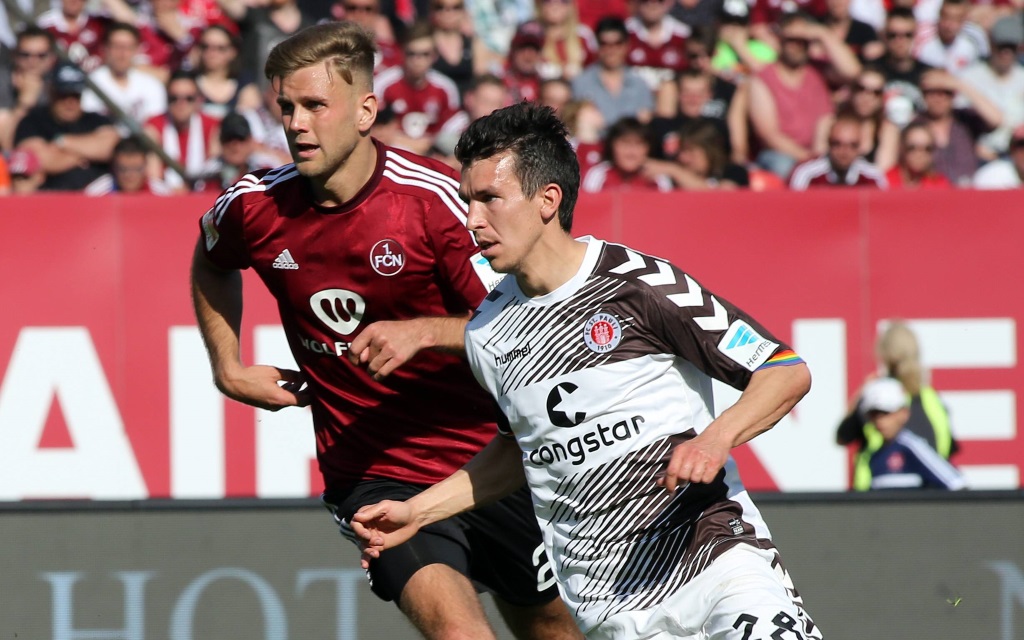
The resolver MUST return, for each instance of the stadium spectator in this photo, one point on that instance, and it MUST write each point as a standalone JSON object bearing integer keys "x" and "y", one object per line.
{"x": 915, "y": 167}
{"x": 700, "y": 95}
{"x": 137, "y": 93}
{"x": 1004, "y": 173}
{"x": 792, "y": 96}
{"x": 902, "y": 70}
{"x": 859, "y": 36}
{"x": 586, "y": 128}
{"x": 422, "y": 99}
{"x": 1001, "y": 80}
{"x": 485, "y": 95}
{"x": 168, "y": 35}
{"x": 899, "y": 356}
{"x": 186, "y": 135}
{"x": 555, "y": 93}
{"x": 696, "y": 13}
{"x": 956, "y": 130}
{"x": 898, "y": 458}
{"x": 387, "y": 29}
{"x": 636, "y": 562}
{"x": 627, "y": 165}
{"x": 734, "y": 51}
{"x": 264, "y": 24}
{"x": 569, "y": 46}
{"x": 127, "y": 173}
{"x": 522, "y": 74}
{"x": 239, "y": 154}
{"x": 346, "y": 200}
{"x": 879, "y": 135}
{"x": 496, "y": 21}
{"x": 222, "y": 85}
{"x": 767, "y": 15}
{"x": 617, "y": 90}
{"x": 73, "y": 146}
{"x": 461, "y": 54}
{"x": 657, "y": 41}
{"x": 24, "y": 84}
{"x": 267, "y": 130}
{"x": 701, "y": 162}
{"x": 27, "y": 174}
{"x": 842, "y": 165}
{"x": 77, "y": 32}
{"x": 952, "y": 43}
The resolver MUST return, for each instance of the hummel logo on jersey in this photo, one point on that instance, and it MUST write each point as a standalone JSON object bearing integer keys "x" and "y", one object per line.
{"x": 743, "y": 337}
{"x": 745, "y": 346}
{"x": 285, "y": 261}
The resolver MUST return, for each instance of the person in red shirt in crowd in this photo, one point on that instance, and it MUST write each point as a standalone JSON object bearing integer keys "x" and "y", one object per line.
{"x": 657, "y": 41}
{"x": 790, "y": 96}
{"x": 422, "y": 99}
{"x": 485, "y": 95}
{"x": 590, "y": 13}
{"x": 568, "y": 44}
{"x": 366, "y": 250}
{"x": 916, "y": 166}
{"x": 586, "y": 127}
{"x": 185, "y": 133}
{"x": 627, "y": 166}
{"x": 78, "y": 33}
{"x": 842, "y": 166}
{"x": 522, "y": 75}
{"x": 127, "y": 173}
{"x": 168, "y": 35}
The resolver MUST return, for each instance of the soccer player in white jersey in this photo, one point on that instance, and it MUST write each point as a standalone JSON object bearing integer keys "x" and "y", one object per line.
{"x": 601, "y": 359}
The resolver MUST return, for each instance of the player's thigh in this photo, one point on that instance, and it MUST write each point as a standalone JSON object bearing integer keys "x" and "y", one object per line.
{"x": 442, "y": 603}
{"x": 441, "y": 543}
{"x": 754, "y": 598}
{"x": 507, "y": 552}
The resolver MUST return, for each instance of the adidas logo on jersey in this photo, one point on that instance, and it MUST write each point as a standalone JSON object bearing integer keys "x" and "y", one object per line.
{"x": 285, "y": 261}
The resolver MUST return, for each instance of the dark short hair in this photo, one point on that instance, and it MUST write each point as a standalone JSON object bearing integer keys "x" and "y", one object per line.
{"x": 182, "y": 74}
{"x": 905, "y": 13}
{"x": 32, "y": 31}
{"x": 539, "y": 144}
{"x": 130, "y": 146}
{"x": 114, "y": 27}
{"x": 611, "y": 24}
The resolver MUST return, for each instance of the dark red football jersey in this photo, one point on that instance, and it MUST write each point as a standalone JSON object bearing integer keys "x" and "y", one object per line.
{"x": 399, "y": 249}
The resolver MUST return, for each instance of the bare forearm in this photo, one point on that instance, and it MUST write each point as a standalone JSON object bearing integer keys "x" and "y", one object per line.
{"x": 492, "y": 474}
{"x": 217, "y": 299}
{"x": 771, "y": 394}
{"x": 444, "y": 333}
{"x": 95, "y": 147}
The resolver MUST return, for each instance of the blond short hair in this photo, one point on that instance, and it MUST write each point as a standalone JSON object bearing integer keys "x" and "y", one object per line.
{"x": 348, "y": 47}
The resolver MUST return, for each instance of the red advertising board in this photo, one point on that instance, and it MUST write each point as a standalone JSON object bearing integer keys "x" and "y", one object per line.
{"x": 105, "y": 393}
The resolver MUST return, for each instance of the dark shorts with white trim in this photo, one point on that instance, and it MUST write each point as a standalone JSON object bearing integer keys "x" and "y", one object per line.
{"x": 498, "y": 547}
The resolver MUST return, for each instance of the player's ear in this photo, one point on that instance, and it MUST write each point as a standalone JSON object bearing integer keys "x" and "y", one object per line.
{"x": 367, "y": 114}
{"x": 550, "y": 200}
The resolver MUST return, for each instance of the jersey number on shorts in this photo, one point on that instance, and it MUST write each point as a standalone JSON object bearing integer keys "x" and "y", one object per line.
{"x": 545, "y": 574}
{"x": 785, "y": 625}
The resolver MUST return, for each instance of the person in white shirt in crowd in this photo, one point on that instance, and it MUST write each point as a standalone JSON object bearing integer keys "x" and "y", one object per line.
{"x": 138, "y": 94}
{"x": 1004, "y": 174}
{"x": 1001, "y": 80}
{"x": 952, "y": 43}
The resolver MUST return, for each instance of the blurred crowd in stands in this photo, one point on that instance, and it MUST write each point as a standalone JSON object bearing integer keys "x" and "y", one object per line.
{"x": 168, "y": 96}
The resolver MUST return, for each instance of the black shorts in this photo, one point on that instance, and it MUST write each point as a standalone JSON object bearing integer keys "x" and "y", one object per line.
{"x": 498, "y": 547}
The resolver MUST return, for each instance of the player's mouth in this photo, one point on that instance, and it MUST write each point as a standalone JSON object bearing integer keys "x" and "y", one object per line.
{"x": 486, "y": 248}
{"x": 305, "y": 149}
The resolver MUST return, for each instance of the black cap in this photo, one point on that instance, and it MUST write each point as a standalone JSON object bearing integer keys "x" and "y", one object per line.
{"x": 68, "y": 79}
{"x": 234, "y": 126}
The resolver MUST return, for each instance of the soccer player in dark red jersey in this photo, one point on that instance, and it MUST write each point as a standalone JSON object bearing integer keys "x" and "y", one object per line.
{"x": 366, "y": 251}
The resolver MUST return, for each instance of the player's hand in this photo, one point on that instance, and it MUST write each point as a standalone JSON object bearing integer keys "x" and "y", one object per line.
{"x": 382, "y": 526}
{"x": 384, "y": 346}
{"x": 697, "y": 460}
{"x": 266, "y": 387}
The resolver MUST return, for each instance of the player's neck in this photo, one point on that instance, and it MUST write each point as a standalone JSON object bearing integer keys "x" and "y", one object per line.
{"x": 350, "y": 178}
{"x": 554, "y": 260}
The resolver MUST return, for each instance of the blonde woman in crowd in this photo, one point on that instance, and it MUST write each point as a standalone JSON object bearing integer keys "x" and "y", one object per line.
{"x": 569, "y": 45}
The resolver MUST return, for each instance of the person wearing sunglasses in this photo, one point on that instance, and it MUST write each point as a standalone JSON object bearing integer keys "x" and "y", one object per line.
{"x": 915, "y": 167}
{"x": 186, "y": 134}
{"x": 902, "y": 70}
{"x": 879, "y": 135}
{"x": 610, "y": 83}
{"x": 842, "y": 165}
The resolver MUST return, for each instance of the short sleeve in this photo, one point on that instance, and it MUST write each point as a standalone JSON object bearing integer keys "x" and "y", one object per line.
{"x": 222, "y": 229}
